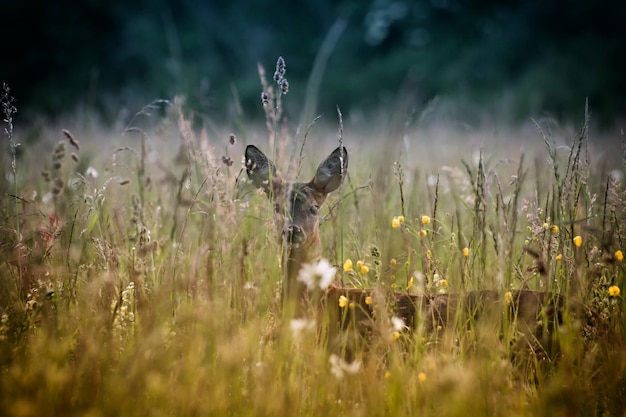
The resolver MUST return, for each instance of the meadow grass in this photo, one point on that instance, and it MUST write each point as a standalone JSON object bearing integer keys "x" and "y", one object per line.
{"x": 141, "y": 274}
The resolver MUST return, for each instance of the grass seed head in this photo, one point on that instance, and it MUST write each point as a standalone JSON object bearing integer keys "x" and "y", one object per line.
{"x": 71, "y": 139}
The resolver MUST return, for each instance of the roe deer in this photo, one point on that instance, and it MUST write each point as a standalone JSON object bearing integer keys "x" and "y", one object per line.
{"x": 532, "y": 314}
{"x": 298, "y": 203}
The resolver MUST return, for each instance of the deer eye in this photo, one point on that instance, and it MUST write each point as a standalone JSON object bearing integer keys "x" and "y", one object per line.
{"x": 314, "y": 209}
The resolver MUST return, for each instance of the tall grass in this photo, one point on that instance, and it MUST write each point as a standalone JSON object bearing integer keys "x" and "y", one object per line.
{"x": 150, "y": 283}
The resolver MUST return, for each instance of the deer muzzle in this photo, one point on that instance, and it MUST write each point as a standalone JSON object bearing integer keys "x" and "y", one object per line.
{"x": 294, "y": 235}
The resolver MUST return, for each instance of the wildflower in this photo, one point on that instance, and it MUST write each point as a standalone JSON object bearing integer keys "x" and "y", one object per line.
{"x": 364, "y": 269}
{"x": 421, "y": 377}
{"x": 422, "y": 233}
{"x": 554, "y": 229}
{"x": 508, "y": 297}
{"x": 409, "y": 284}
{"x": 299, "y": 326}
{"x": 425, "y": 220}
{"x": 465, "y": 252}
{"x": 320, "y": 274}
{"x": 91, "y": 172}
{"x": 395, "y": 335}
{"x": 443, "y": 283}
{"x": 614, "y": 291}
{"x": 359, "y": 264}
{"x": 339, "y": 367}
{"x": 368, "y": 300}
{"x": 546, "y": 226}
{"x": 559, "y": 257}
{"x": 387, "y": 374}
{"x": 398, "y": 324}
{"x": 343, "y": 301}
{"x": 393, "y": 262}
{"x": 351, "y": 305}
{"x": 578, "y": 241}
{"x": 395, "y": 223}
{"x": 347, "y": 265}
{"x": 401, "y": 219}
{"x": 619, "y": 255}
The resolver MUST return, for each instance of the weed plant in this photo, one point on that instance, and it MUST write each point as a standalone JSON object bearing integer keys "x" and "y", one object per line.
{"x": 144, "y": 281}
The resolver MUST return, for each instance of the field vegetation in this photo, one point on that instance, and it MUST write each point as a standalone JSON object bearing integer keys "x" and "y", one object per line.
{"x": 141, "y": 271}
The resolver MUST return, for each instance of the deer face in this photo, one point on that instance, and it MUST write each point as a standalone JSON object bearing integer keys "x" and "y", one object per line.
{"x": 298, "y": 202}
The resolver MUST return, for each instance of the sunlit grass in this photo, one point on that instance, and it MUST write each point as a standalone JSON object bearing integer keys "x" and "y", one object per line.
{"x": 142, "y": 277}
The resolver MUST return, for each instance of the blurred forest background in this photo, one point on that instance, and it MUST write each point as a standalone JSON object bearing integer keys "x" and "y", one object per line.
{"x": 525, "y": 58}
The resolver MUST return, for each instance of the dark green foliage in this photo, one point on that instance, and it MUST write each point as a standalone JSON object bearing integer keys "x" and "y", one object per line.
{"x": 548, "y": 56}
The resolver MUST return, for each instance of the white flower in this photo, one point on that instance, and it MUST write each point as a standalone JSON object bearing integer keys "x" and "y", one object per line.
{"x": 299, "y": 326}
{"x": 339, "y": 367}
{"x": 91, "y": 172}
{"x": 320, "y": 274}
{"x": 398, "y": 324}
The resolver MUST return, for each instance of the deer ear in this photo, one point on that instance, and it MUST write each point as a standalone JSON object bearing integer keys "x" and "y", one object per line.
{"x": 260, "y": 169}
{"x": 332, "y": 171}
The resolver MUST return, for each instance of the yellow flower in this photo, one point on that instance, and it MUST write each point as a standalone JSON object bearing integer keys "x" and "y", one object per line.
{"x": 614, "y": 291}
{"x": 443, "y": 282}
{"x": 351, "y": 305}
{"x": 546, "y": 226}
{"x": 395, "y": 335}
{"x": 619, "y": 255}
{"x": 508, "y": 297}
{"x": 422, "y": 233}
{"x": 421, "y": 377}
{"x": 368, "y": 300}
{"x": 465, "y": 252}
{"x": 395, "y": 223}
{"x": 347, "y": 265}
{"x": 387, "y": 375}
{"x": 343, "y": 301}
{"x": 559, "y": 257}
{"x": 393, "y": 262}
{"x": 401, "y": 219}
{"x": 578, "y": 241}
{"x": 364, "y": 269}
{"x": 359, "y": 264}
{"x": 425, "y": 220}
{"x": 554, "y": 229}
{"x": 409, "y": 284}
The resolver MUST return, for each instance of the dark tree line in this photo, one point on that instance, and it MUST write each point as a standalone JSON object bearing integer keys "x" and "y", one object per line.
{"x": 548, "y": 55}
